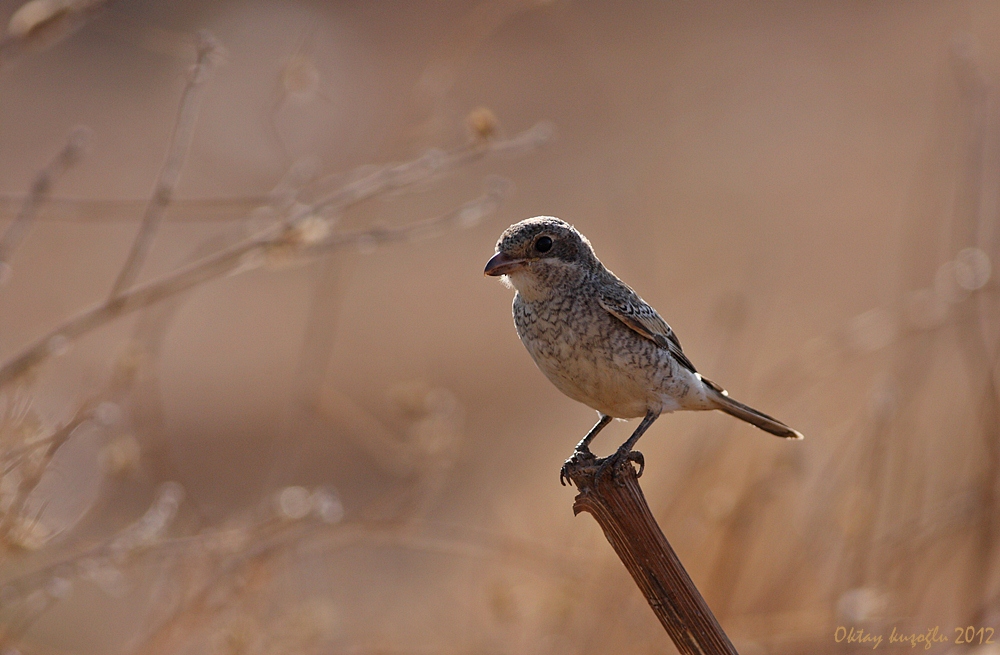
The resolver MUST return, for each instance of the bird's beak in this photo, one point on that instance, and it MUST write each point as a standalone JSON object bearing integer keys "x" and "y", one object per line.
{"x": 502, "y": 264}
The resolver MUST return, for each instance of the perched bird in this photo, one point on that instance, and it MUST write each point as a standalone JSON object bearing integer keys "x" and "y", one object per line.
{"x": 597, "y": 340}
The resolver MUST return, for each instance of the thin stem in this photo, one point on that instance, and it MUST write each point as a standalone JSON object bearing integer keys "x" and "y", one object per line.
{"x": 180, "y": 144}
{"x": 230, "y": 260}
{"x": 40, "y": 190}
{"x": 397, "y": 176}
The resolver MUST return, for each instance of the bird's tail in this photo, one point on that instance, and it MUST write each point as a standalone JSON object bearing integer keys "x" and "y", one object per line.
{"x": 718, "y": 396}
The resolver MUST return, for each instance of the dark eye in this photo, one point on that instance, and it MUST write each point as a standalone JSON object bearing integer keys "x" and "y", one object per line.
{"x": 544, "y": 244}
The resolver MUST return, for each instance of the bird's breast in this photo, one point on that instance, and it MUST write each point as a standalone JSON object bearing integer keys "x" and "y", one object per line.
{"x": 590, "y": 356}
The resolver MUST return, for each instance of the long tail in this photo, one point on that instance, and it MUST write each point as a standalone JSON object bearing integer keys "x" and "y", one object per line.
{"x": 735, "y": 408}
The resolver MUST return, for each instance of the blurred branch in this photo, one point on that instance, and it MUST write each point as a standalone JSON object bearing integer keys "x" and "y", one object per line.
{"x": 617, "y": 504}
{"x": 365, "y": 184}
{"x": 43, "y": 449}
{"x": 228, "y": 261}
{"x": 394, "y": 177}
{"x": 100, "y": 564}
{"x": 180, "y": 144}
{"x": 40, "y": 189}
{"x": 82, "y": 210}
{"x": 302, "y": 235}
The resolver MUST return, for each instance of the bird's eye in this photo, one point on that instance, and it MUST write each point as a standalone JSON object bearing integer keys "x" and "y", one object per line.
{"x": 544, "y": 244}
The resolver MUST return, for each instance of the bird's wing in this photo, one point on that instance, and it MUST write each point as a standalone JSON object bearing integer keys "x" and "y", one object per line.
{"x": 626, "y": 305}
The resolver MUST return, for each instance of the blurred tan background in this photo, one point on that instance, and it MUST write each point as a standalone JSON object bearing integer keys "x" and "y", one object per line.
{"x": 358, "y": 454}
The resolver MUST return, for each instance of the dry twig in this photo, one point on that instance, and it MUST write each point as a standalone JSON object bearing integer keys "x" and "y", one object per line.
{"x": 180, "y": 143}
{"x": 617, "y": 504}
{"x": 287, "y": 239}
{"x": 40, "y": 189}
{"x": 228, "y": 261}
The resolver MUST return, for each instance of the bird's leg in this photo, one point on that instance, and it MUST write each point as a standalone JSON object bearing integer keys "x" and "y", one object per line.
{"x": 584, "y": 445}
{"x": 583, "y": 448}
{"x": 625, "y": 450}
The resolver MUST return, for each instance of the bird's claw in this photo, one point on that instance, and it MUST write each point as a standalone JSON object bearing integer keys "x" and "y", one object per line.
{"x": 613, "y": 462}
{"x": 638, "y": 458}
{"x": 575, "y": 459}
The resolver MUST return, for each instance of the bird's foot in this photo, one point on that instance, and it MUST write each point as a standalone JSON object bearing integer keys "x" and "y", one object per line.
{"x": 614, "y": 462}
{"x": 579, "y": 457}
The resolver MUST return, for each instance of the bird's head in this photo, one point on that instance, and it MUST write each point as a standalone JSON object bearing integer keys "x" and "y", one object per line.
{"x": 541, "y": 251}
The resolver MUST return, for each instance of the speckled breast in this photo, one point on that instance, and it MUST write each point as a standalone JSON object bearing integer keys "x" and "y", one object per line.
{"x": 593, "y": 358}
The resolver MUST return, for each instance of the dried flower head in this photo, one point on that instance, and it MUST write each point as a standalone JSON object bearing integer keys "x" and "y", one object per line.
{"x": 303, "y": 233}
{"x": 311, "y": 230}
{"x": 134, "y": 357}
{"x": 482, "y": 124}
{"x": 122, "y": 456}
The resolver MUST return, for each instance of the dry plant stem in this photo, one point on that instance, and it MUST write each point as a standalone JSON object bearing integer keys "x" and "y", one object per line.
{"x": 395, "y": 177}
{"x": 180, "y": 143}
{"x": 250, "y": 567}
{"x": 39, "y": 193}
{"x": 84, "y": 211}
{"x": 222, "y": 263}
{"x": 619, "y": 507}
{"x": 50, "y": 446}
{"x": 237, "y": 256}
{"x": 384, "y": 179}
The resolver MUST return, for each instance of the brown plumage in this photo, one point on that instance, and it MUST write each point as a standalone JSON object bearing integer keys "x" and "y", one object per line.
{"x": 596, "y": 339}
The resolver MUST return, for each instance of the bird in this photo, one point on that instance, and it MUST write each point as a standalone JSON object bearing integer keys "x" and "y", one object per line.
{"x": 598, "y": 342}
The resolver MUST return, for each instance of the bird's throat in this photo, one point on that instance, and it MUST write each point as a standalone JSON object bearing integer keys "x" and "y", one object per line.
{"x": 529, "y": 286}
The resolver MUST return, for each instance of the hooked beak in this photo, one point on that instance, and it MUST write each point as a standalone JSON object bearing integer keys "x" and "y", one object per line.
{"x": 502, "y": 264}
